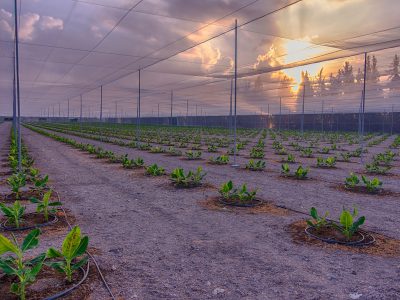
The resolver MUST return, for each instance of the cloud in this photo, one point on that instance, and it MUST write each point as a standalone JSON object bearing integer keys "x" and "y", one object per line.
{"x": 30, "y": 23}
{"x": 5, "y": 22}
{"x": 48, "y": 23}
{"x": 27, "y": 26}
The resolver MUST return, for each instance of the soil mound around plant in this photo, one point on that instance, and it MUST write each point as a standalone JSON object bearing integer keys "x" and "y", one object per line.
{"x": 50, "y": 282}
{"x": 363, "y": 190}
{"x": 384, "y": 246}
{"x": 267, "y": 207}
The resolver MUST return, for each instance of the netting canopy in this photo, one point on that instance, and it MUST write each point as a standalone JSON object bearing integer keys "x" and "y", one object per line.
{"x": 185, "y": 50}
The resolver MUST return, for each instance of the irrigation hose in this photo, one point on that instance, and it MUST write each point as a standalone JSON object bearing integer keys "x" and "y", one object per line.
{"x": 90, "y": 255}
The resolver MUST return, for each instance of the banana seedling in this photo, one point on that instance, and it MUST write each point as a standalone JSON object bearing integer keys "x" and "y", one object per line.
{"x": 229, "y": 192}
{"x": 16, "y": 182}
{"x": 349, "y": 226}
{"x": 317, "y": 221}
{"x": 192, "y": 178}
{"x": 73, "y": 247}
{"x": 155, "y": 170}
{"x": 15, "y": 265}
{"x": 13, "y": 213}
{"x": 45, "y": 206}
{"x": 372, "y": 185}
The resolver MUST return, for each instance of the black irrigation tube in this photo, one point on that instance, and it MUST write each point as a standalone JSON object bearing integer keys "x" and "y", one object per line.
{"x": 333, "y": 240}
{"x": 366, "y": 239}
{"x": 50, "y": 222}
{"x": 72, "y": 288}
{"x": 255, "y": 203}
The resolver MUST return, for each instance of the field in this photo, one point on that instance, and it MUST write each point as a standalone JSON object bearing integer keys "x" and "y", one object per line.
{"x": 154, "y": 239}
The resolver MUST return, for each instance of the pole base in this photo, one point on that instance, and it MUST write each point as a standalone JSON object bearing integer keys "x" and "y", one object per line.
{"x": 235, "y": 166}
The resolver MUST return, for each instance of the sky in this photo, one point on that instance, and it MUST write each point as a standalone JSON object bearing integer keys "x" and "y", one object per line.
{"x": 185, "y": 52}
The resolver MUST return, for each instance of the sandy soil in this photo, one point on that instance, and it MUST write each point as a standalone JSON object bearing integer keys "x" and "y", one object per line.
{"x": 156, "y": 242}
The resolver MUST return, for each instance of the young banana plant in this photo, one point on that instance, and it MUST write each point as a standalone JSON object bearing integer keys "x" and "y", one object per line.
{"x": 67, "y": 259}
{"x": 349, "y": 226}
{"x": 16, "y": 182}
{"x": 13, "y": 213}
{"x": 317, "y": 221}
{"x": 15, "y": 264}
{"x": 40, "y": 183}
{"x": 45, "y": 206}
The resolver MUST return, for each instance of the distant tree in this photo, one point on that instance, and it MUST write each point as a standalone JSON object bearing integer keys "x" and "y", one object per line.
{"x": 258, "y": 85}
{"x": 369, "y": 68}
{"x": 394, "y": 71}
{"x": 359, "y": 76}
{"x": 374, "y": 69}
{"x": 320, "y": 86}
{"x": 347, "y": 73}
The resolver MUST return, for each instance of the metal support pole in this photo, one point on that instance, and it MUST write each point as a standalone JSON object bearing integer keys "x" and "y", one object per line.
{"x": 392, "y": 123}
{"x": 68, "y": 110}
{"x": 196, "y": 115}
{"x": 172, "y": 99}
{"x": 235, "y": 98}
{"x": 187, "y": 109}
{"x": 116, "y": 111}
{"x": 322, "y": 116}
{"x": 158, "y": 113}
{"x": 101, "y": 103}
{"x": 230, "y": 111}
{"x": 14, "y": 102}
{"x": 363, "y": 107}
{"x": 302, "y": 110}
{"x": 80, "y": 116}
{"x": 59, "y": 110}
{"x": 280, "y": 112}
{"x": 16, "y": 70}
{"x": 138, "y": 109}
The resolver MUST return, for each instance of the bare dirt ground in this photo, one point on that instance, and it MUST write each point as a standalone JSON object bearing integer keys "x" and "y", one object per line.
{"x": 156, "y": 242}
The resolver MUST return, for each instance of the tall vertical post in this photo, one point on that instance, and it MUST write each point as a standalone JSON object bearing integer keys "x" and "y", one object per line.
{"x": 101, "y": 103}
{"x": 80, "y": 115}
{"x": 196, "y": 115}
{"x": 68, "y": 110}
{"x": 392, "y": 121}
{"x": 363, "y": 106}
{"x": 235, "y": 98}
{"x": 18, "y": 98}
{"x": 116, "y": 111}
{"x": 187, "y": 109}
{"x": 14, "y": 102}
{"x": 280, "y": 113}
{"x": 59, "y": 110}
{"x": 138, "y": 109}
{"x": 302, "y": 110}
{"x": 322, "y": 117}
{"x": 172, "y": 99}
{"x": 230, "y": 111}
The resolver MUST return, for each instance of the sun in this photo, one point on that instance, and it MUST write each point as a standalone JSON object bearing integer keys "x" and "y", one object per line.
{"x": 297, "y": 51}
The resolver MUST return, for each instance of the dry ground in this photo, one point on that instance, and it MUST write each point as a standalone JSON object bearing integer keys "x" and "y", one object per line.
{"x": 157, "y": 242}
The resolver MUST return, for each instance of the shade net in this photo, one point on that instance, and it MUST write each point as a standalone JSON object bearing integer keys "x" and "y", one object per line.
{"x": 289, "y": 52}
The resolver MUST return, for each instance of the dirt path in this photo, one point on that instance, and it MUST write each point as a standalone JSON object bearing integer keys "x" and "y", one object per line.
{"x": 157, "y": 242}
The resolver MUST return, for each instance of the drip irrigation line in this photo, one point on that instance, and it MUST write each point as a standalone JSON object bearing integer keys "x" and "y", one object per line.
{"x": 91, "y": 256}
